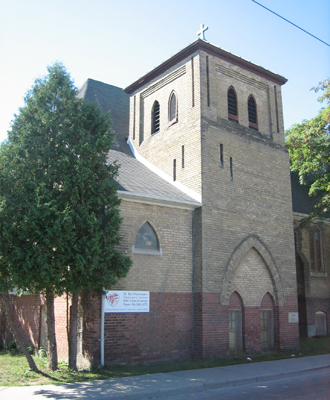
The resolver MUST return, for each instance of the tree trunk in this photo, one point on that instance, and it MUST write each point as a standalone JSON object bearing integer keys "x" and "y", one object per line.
{"x": 52, "y": 348}
{"x": 20, "y": 343}
{"x": 73, "y": 332}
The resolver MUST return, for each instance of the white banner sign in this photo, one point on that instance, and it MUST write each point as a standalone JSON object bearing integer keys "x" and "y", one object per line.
{"x": 122, "y": 301}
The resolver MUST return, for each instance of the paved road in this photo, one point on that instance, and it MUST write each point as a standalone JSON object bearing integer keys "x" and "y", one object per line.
{"x": 313, "y": 386}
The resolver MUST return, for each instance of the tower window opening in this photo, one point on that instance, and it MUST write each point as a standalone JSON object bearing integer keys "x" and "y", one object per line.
{"x": 155, "y": 120}
{"x": 252, "y": 110}
{"x": 232, "y": 105}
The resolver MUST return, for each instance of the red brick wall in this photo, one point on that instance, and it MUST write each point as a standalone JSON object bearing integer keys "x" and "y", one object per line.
{"x": 212, "y": 326}
{"x": 288, "y": 333}
{"x": 317, "y": 304}
{"x": 60, "y": 327}
{"x": 26, "y": 317}
{"x": 163, "y": 334}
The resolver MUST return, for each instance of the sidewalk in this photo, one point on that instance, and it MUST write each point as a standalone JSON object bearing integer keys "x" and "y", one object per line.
{"x": 147, "y": 386}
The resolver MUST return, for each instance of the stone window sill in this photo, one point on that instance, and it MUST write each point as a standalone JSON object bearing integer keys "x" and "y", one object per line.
{"x": 147, "y": 252}
{"x": 319, "y": 274}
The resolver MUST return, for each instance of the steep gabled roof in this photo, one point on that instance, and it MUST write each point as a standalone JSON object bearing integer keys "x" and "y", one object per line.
{"x": 113, "y": 99}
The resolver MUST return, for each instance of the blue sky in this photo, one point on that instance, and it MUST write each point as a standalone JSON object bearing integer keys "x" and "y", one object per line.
{"x": 119, "y": 41}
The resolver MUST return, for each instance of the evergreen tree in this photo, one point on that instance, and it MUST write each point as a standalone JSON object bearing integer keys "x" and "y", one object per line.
{"x": 61, "y": 212}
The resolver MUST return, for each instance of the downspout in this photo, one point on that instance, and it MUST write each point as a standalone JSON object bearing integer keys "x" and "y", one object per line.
{"x": 102, "y": 329}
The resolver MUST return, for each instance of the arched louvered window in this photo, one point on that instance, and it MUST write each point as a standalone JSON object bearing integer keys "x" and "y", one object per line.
{"x": 172, "y": 109}
{"x": 315, "y": 249}
{"x": 146, "y": 238}
{"x": 232, "y": 104}
{"x": 252, "y": 109}
{"x": 155, "y": 120}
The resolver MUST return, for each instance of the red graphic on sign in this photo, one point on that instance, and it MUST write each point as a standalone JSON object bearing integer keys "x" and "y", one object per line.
{"x": 113, "y": 299}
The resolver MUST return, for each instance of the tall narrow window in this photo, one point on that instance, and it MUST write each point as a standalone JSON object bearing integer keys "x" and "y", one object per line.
{"x": 235, "y": 330}
{"x": 155, "y": 122}
{"x": 174, "y": 170}
{"x": 182, "y": 156}
{"x": 232, "y": 104}
{"x": 315, "y": 249}
{"x": 266, "y": 322}
{"x": 172, "y": 109}
{"x": 221, "y": 155}
{"x": 252, "y": 109}
{"x": 235, "y": 322}
{"x": 231, "y": 168}
{"x": 146, "y": 238}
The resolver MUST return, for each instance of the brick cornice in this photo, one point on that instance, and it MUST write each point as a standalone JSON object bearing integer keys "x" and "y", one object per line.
{"x": 212, "y": 50}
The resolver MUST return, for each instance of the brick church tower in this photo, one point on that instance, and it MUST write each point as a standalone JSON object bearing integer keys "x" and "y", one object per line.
{"x": 212, "y": 123}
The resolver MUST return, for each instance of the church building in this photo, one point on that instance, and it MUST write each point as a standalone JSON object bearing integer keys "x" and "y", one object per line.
{"x": 208, "y": 212}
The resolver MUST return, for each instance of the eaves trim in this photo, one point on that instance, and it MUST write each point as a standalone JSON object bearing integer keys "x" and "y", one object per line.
{"x": 212, "y": 50}
{"x": 157, "y": 200}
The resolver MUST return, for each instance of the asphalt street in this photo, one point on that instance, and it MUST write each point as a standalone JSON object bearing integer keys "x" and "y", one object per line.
{"x": 312, "y": 386}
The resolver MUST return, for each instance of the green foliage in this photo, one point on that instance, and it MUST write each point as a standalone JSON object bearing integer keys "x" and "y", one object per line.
{"x": 42, "y": 353}
{"x": 12, "y": 346}
{"x": 55, "y": 188}
{"x": 308, "y": 144}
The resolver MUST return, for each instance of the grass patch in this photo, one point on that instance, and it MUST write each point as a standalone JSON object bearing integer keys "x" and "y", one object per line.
{"x": 14, "y": 369}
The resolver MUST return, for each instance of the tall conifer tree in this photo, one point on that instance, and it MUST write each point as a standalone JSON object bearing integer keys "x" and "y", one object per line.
{"x": 62, "y": 219}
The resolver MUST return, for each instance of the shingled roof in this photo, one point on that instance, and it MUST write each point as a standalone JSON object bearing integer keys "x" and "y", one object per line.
{"x": 113, "y": 99}
{"x": 134, "y": 177}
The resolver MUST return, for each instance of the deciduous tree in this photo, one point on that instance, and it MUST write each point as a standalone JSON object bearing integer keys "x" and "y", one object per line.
{"x": 308, "y": 144}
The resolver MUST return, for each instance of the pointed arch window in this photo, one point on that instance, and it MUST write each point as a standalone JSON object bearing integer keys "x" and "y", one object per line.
{"x": 173, "y": 109}
{"x": 146, "y": 241}
{"x": 252, "y": 110}
{"x": 267, "y": 322}
{"x": 232, "y": 104}
{"x": 235, "y": 322}
{"x": 155, "y": 118}
{"x": 315, "y": 249}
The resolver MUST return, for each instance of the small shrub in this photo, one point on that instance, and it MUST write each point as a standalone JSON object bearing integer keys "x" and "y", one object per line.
{"x": 42, "y": 352}
{"x": 30, "y": 349}
{"x": 12, "y": 346}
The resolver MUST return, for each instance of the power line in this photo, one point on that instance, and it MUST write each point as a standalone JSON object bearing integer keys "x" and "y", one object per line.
{"x": 291, "y": 23}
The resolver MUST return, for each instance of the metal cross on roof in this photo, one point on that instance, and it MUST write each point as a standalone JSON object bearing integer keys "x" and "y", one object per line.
{"x": 201, "y": 32}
